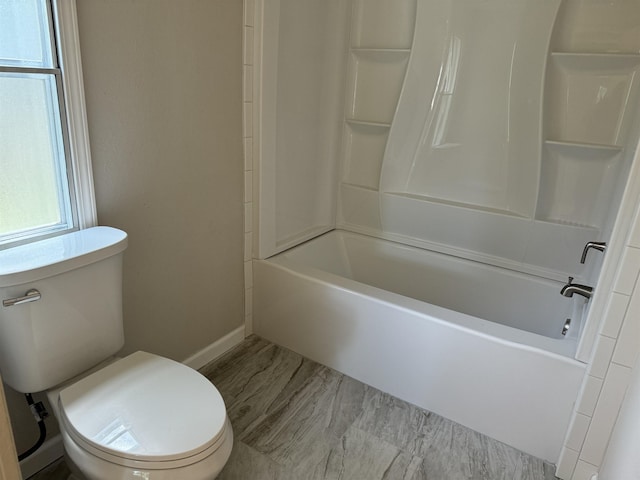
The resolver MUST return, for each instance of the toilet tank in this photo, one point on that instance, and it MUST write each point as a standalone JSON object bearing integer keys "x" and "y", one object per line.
{"x": 77, "y": 320}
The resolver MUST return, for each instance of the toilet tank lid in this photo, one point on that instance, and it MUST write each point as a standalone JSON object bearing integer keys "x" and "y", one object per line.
{"x": 45, "y": 258}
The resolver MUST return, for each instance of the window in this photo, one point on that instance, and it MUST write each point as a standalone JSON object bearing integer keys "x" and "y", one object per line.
{"x": 45, "y": 175}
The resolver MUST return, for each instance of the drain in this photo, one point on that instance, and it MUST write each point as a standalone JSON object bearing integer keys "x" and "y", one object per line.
{"x": 567, "y": 324}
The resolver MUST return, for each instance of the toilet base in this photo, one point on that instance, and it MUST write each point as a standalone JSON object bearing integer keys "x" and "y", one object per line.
{"x": 75, "y": 472}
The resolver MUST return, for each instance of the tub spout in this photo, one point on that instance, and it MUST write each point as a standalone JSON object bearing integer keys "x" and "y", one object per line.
{"x": 570, "y": 288}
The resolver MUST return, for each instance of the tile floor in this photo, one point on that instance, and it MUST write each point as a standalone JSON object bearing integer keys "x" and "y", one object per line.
{"x": 294, "y": 419}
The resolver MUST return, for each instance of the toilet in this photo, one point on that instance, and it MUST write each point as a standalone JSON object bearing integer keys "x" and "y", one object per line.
{"x": 138, "y": 417}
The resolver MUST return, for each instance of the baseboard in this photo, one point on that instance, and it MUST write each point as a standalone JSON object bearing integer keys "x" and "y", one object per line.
{"x": 49, "y": 452}
{"x": 216, "y": 349}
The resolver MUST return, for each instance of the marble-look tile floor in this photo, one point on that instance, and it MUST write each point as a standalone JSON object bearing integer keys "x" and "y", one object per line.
{"x": 295, "y": 419}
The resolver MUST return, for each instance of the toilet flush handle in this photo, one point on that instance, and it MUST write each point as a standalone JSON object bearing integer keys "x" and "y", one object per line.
{"x": 31, "y": 296}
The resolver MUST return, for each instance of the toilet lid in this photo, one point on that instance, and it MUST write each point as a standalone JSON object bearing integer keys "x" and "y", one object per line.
{"x": 144, "y": 407}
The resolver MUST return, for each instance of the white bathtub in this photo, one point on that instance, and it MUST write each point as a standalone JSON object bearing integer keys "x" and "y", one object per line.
{"x": 477, "y": 344}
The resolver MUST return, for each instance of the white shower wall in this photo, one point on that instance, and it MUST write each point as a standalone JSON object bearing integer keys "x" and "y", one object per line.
{"x": 302, "y": 72}
{"x": 497, "y": 131}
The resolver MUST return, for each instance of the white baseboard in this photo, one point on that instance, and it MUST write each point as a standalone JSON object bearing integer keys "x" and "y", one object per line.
{"x": 216, "y": 349}
{"x": 49, "y": 452}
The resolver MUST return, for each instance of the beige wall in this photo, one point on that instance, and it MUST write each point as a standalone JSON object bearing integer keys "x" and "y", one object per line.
{"x": 25, "y": 428}
{"x": 163, "y": 81}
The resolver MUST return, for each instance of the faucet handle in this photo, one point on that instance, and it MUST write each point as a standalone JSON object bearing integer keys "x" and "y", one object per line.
{"x": 570, "y": 280}
{"x": 600, "y": 246}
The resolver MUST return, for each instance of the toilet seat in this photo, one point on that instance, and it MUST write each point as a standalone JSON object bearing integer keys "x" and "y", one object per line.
{"x": 145, "y": 411}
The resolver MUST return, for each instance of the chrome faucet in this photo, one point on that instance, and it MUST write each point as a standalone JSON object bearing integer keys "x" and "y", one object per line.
{"x": 570, "y": 288}
{"x": 600, "y": 246}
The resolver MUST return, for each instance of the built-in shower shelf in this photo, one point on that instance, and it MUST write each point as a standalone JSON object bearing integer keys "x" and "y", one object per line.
{"x": 381, "y": 51}
{"x": 597, "y": 61}
{"x": 591, "y": 149}
{"x": 365, "y": 123}
{"x": 576, "y": 180}
{"x": 566, "y": 223}
{"x": 361, "y": 187}
{"x": 451, "y": 203}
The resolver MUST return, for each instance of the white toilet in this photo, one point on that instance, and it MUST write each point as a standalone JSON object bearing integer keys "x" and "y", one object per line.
{"x": 138, "y": 417}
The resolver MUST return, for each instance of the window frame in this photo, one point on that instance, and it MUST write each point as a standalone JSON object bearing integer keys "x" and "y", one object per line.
{"x": 65, "y": 19}
{"x": 73, "y": 119}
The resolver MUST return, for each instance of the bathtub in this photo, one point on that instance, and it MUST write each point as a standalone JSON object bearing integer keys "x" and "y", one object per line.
{"x": 477, "y": 344}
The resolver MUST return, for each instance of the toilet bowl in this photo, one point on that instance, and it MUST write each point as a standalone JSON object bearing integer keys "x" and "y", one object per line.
{"x": 144, "y": 416}
{"x": 139, "y": 417}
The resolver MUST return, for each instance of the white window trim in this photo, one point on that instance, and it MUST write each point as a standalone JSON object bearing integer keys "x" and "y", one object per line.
{"x": 66, "y": 30}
